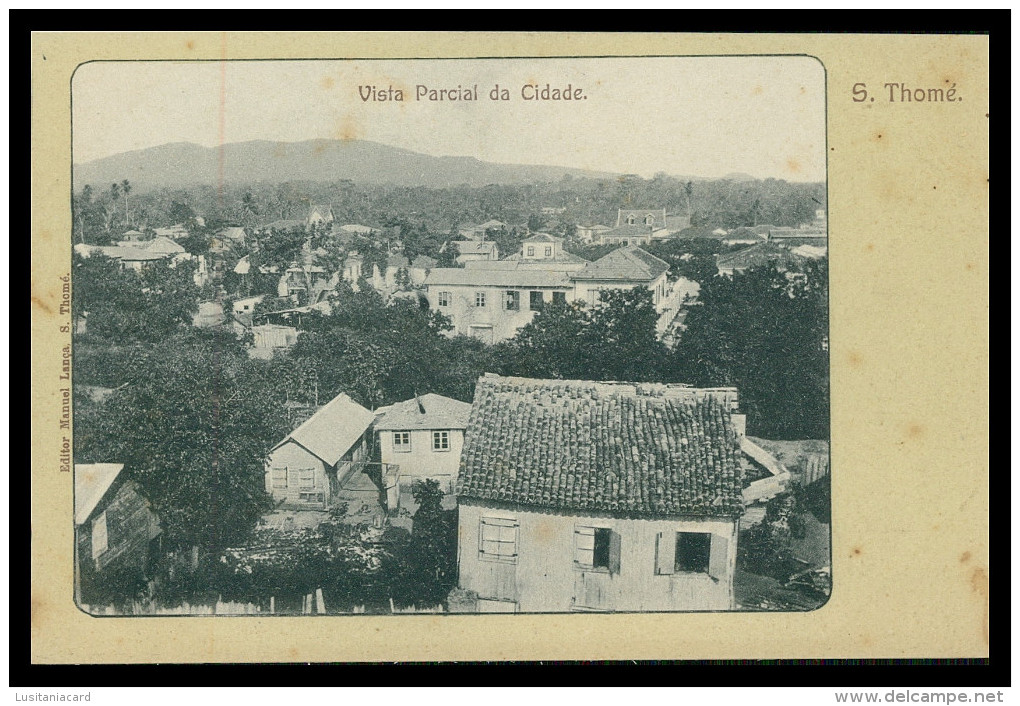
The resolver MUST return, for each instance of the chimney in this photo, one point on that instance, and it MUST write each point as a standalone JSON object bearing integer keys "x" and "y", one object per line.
{"x": 739, "y": 424}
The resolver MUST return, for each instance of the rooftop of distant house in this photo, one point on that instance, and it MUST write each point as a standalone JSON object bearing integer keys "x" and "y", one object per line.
{"x": 754, "y": 256}
{"x": 473, "y": 247}
{"x": 627, "y": 263}
{"x": 429, "y": 411}
{"x": 582, "y": 446}
{"x": 655, "y": 217}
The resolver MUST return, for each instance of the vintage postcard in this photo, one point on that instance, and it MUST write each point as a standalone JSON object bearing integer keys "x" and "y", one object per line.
{"x": 613, "y": 340}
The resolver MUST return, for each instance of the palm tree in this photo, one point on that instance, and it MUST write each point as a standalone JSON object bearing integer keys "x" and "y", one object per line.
{"x": 125, "y": 187}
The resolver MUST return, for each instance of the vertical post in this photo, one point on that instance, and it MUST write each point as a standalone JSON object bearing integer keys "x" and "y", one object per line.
{"x": 272, "y": 604}
{"x": 320, "y": 603}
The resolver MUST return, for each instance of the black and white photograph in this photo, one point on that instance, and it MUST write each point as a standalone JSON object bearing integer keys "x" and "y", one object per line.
{"x": 460, "y": 336}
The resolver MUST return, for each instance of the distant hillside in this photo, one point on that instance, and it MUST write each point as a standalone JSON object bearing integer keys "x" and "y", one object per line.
{"x": 184, "y": 164}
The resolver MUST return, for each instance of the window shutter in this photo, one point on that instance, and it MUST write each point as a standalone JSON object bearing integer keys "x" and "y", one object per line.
{"x": 292, "y": 478}
{"x": 584, "y": 546}
{"x": 665, "y": 552}
{"x": 614, "y": 552}
{"x": 718, "y": 560}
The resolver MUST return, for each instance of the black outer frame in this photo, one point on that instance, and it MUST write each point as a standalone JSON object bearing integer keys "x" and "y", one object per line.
{"x": 976, "y": 673}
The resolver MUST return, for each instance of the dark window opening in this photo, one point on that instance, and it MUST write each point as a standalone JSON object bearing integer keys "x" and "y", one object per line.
{"x": 693, "y": 550}
{"x": 559, "y": 297}
{"x": 536, "y": 301}
{"x": 600, "y": 558}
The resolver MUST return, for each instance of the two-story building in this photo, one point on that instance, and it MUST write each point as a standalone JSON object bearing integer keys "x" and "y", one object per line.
{"x": 309, "y": 467}
{"x": 493, "y": 300}
{"x": 586, "y": 496}
{"x": 492, "y": 304}
{"x": 424, "y": 437}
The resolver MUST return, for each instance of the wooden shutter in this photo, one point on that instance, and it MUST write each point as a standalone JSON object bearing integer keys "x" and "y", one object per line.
{"x": 718, "y": 560}
{"x": 665, "y": 552}
{"x": 584, "y": 546}
{"x": 293, "y": 478}
{"x": 614, "y": 552}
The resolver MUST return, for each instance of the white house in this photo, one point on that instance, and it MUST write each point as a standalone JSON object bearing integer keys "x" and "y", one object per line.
{"x": 307, "y": 469}
{"x": 565, "y": 507}
{"x": 424, "y": 437}
{"x": 493, "y": 300}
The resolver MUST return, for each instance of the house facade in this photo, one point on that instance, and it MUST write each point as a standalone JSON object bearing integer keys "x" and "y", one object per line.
{"x": 585, "y": 496}
{"x": 309, "y": 467}
{"x": 493, "y": 300}
{"x": 424, "y": 436}
{"x": 117, "y": 534}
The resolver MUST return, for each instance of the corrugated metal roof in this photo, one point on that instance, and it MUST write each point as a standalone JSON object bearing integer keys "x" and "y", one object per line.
{"x": 440, "y": 413}
{"x": 91, "y": 481}
{"x": 334, "y": 429}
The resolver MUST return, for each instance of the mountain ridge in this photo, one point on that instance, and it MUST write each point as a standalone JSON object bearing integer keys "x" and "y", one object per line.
{"x": 182, "y": 164}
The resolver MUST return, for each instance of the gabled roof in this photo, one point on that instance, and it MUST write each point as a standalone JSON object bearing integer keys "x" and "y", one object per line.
{"x": 91, "y": 482}
{"x": 163, "y": 245}
{"x": 333, "y": 430}
{"x": 397, "y": 261}
{"x": 630, "y": 263}
{"x": 131, "y": 254}
{"x": 542, "y": 238}
{"x": 629, "y": 448}
{"x": 473, "y": 247}
{"x": 491, "y": 224}
{"x": 323, "y": 210}
{"x": 439, "y": 413}
{"x": 476, "y": 277}
{"x": 231, "y": 233}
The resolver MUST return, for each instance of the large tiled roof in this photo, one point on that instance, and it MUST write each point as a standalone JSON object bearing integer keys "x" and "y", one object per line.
{"x": 332, "y": 430}
{"x": 476, "y": 277}
{"x": 286, "y": 224}
{"x": 632, "y": 448}
{"x": 629, "y": 264}
{"x": 434, "y": 412}
{"x": 91, "y": 481}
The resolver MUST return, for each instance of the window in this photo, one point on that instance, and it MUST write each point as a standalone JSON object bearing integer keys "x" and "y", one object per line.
{"x": 306, "y": 478}
{"x": 440, "y": 441}
{"x": 402, "y": 441}
{"x": 531, "y": 251}
{"x": 497, "y": 539}
{"x": 597, "y": 549}
{"x": 626, "y": 242}
{"x": 312, "y": 497}
{"x": 279, "y": 477}
{"x": 99, "y": 536}
{"x": 559, "y": 297}
{"x": 693, "y": 550}
{"x": 479, "y": 298}
{"x": 548, "y": 251}
{"x": 690, "y": 553}
{"x": 649, "y": 219}
{"x": 630, "y": 220}
{"x": 513, "y": 301}
{"x": 593, "y": 296}
{"x": 444, "y": 299}
{"x": 535, "y": 301}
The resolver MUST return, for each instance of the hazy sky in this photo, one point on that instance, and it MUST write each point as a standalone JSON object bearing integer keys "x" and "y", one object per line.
{"x": 700, "y": 116}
